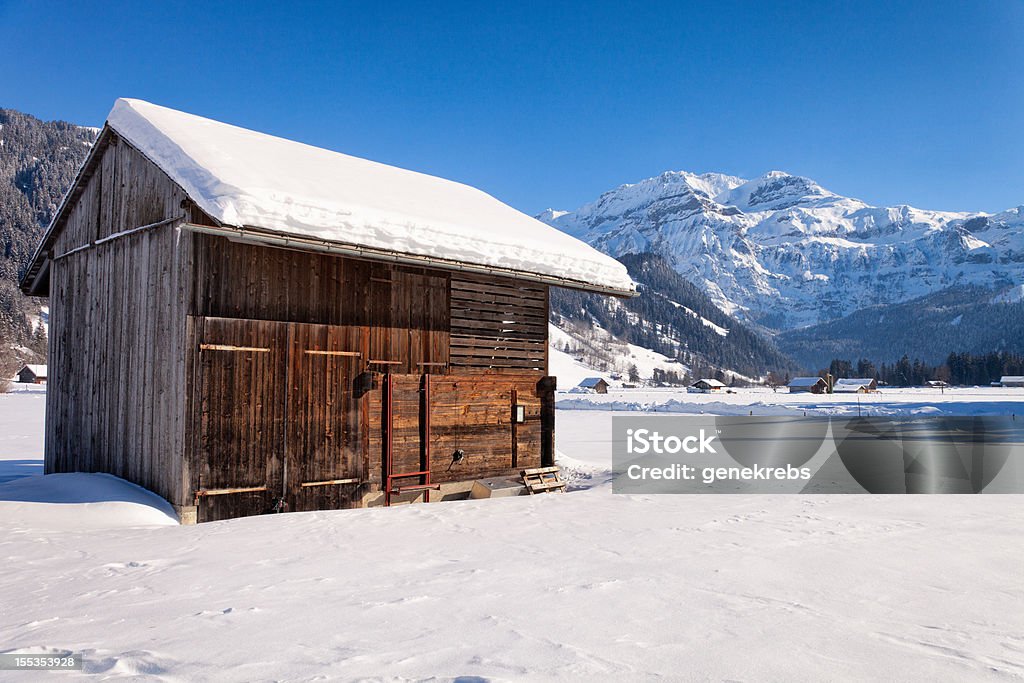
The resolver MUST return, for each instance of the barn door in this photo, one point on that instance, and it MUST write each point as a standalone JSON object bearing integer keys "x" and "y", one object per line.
{"x": 406, "y": 434}
{"x": 241, "y": 417}
{"x": 324, "y": 467}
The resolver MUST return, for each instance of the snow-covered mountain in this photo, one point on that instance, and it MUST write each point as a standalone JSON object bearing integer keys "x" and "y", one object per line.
{"x": 784, "y": 252}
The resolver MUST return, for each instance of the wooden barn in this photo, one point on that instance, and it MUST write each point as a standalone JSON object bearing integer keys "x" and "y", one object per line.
{"x": 32, "y": 374}
{"x": 812, "y": 385}
{"x": 598, "y": 385}
{"x": 706, "y": 386}
{"x": 245, "y": 324}
{"x": 866, "y": 385}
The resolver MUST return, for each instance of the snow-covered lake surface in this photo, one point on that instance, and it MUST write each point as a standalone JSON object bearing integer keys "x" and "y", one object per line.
{"x": 582, "y": 586}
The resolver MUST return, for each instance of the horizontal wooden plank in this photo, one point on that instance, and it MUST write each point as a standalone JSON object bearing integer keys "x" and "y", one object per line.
{"x": 223, "y": 492}
{"x": 329, "y": 482}
{"x": 491, "y": 329}
{"x": 463, "y": 341}
{"x": 540, "y": 470}
{"x": 495, "y": 317}
{"x": 539, "y": 487}
{"x": 460, "y": 286}
{"x": 513, "y": 300}
{"x": 354, "y": 354}
{"x": 462, "y": 355}
{"x": 500, "y": 362}
{"x": 472, "y": 364}
{"x": 497, "y": 313}
{"x": 228, "y": 347}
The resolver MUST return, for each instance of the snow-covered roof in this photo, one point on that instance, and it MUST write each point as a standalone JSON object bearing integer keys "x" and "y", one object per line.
{"x": 804, "y": 381}
{"x": 1013, "y": 379}
{"x": 243, "y": 178}
{"x": 709, "y": 382}
{"x": 592, "y": 381}
{"x": 37, "y": 370}
{"x": 842, "y": 385}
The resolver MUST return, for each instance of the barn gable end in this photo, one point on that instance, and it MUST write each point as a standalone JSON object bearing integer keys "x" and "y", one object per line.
{"x": 117, "y": 311}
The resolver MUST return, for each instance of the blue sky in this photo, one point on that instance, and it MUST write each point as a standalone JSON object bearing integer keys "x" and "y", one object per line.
{"x": 550, "y": 104}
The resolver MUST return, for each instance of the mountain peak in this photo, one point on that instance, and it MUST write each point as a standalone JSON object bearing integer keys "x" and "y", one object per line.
{"x": 783, "y": 251}
{"x": 548, "y": 215}
{"x": 775, "y": 190}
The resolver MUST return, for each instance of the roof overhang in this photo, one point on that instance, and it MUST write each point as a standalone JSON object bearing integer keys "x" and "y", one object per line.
{"x": 262, "y": 237}
{"x": 35, "y": 281}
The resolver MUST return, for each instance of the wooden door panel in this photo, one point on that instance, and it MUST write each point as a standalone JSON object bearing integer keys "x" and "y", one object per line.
{"x": 325, "y": 464}
{"x": 241, "y": 417}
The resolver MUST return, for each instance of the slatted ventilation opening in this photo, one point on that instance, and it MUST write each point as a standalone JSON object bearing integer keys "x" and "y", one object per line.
{"x": 498, "y": 324}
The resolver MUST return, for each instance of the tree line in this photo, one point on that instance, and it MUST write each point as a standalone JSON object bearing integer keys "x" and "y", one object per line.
{"x": 958, "y": 368}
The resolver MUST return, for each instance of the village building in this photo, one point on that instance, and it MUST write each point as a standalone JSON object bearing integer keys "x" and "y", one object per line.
{"x": 242, "y": 323}
{"x": 706, "y": 386}
{"x": 1012, "y": 381}
{"x": 813, "y": 385}
{"x": 32, "y": 374}
{"x": 855, "y": 386}
{"x": 596, "y": 384}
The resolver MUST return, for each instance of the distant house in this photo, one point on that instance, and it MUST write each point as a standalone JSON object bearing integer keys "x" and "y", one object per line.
{"x": 595, "y": 384}
{"x": 1012, "y": 381}
{"x": 936, "y": 384}
{"x": 706, "y": 386}
{"x": 855, "y": 386}
{"x": 813, "y": 385}
{"x": 32, "y": 374}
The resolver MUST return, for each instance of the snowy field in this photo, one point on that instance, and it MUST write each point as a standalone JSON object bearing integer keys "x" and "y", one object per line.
{"x": 763, "y": 401}
{"x": 582, "y": 586}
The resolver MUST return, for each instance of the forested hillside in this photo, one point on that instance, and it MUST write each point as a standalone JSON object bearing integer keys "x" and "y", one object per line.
{"x": 674, "y": 317}
{"x": 38, "y": 161}
{"x": 961, "y": 319}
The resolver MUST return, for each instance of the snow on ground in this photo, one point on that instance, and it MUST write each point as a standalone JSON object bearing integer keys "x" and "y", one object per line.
{"x": 567, "y": 369}
{"x": 571, "y": 372}
{"x": 763, "y": 401}
{"x": 582, "y": 586}
{"x": 21, "y": 432}
{"x": 68, "y": 502}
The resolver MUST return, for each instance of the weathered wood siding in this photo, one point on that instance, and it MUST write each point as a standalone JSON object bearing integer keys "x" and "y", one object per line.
{"x": 472, "y": 412}
{"x": 292, "y": 415}
{"x": 117, "y": 311}
{"x": 498, "y": 323}
{"x": 344, "y": 325}
{"x": 402, "y": 311}
{"x": 475, "y": 413}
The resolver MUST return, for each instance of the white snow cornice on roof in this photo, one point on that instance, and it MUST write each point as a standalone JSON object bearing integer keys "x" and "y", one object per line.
{"x": 243, "y": 178}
